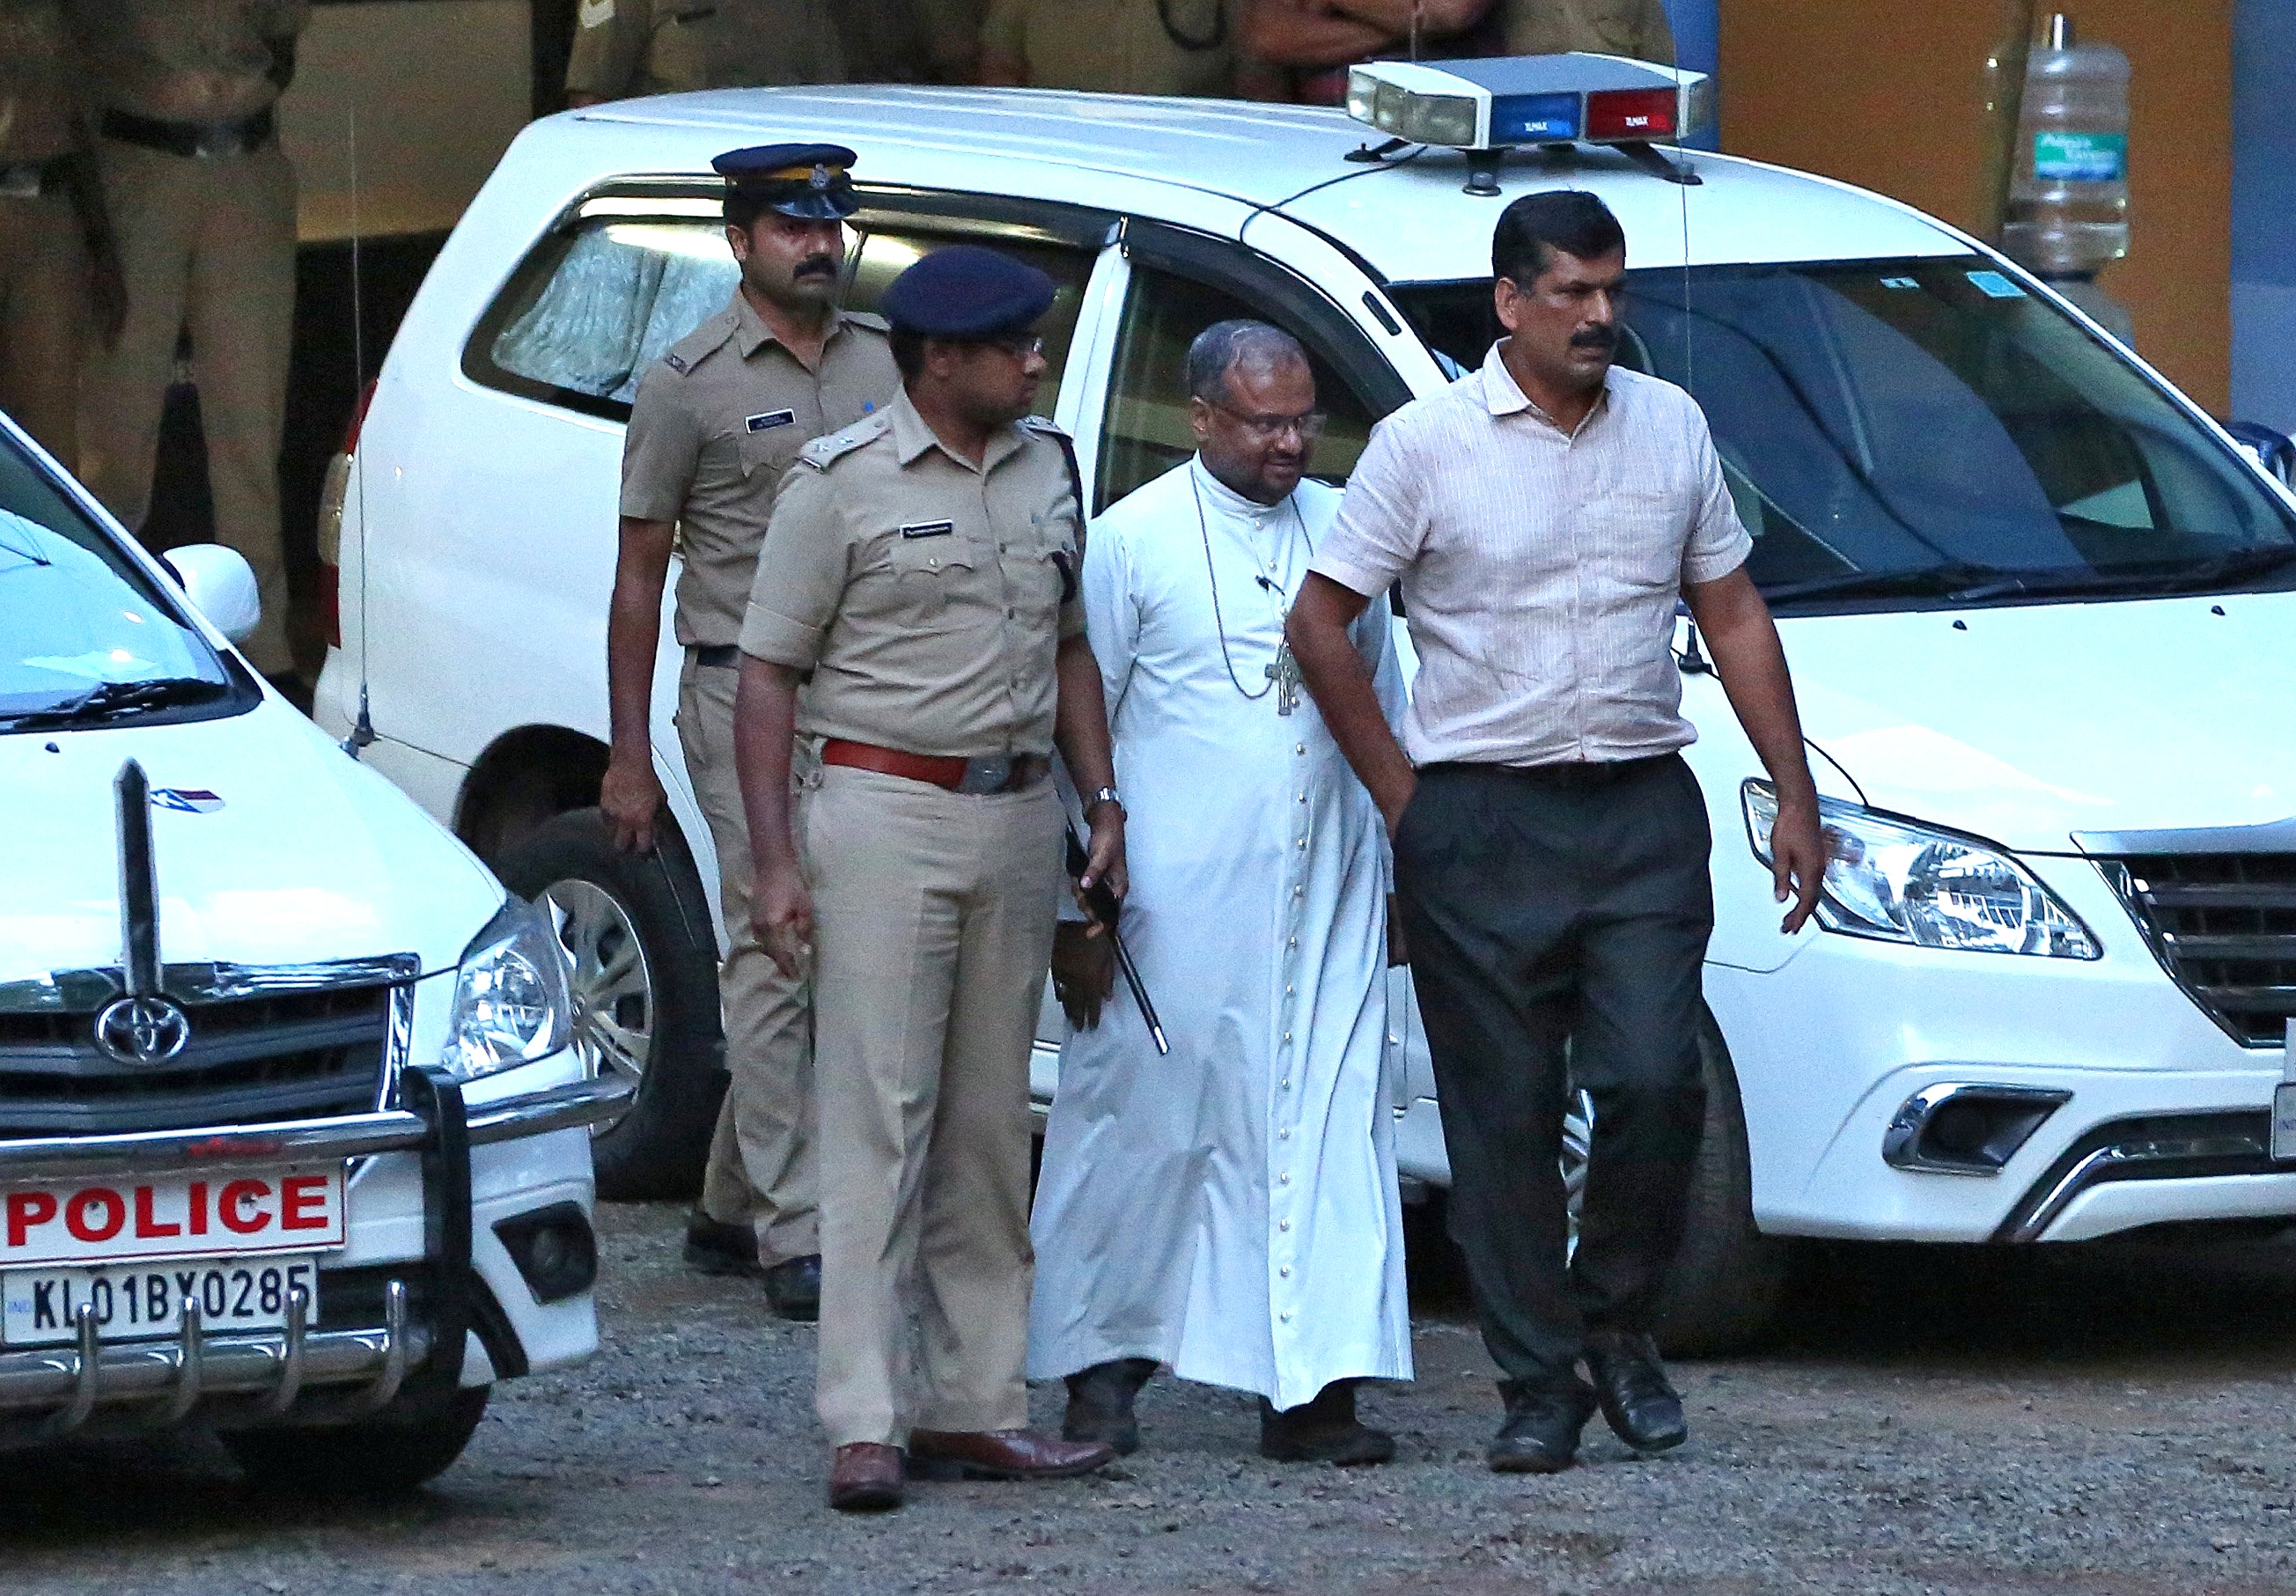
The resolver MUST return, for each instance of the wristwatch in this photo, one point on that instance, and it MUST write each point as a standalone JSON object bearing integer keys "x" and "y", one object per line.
{"x": 1103, "y": 795}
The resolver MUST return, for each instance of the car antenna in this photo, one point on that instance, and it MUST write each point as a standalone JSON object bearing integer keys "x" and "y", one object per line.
{"x": 362, "y": 731}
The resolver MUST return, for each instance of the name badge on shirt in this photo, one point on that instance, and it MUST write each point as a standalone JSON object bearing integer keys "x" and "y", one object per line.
{"x": 770, "y": 420}
{"x": 928, "y": 529}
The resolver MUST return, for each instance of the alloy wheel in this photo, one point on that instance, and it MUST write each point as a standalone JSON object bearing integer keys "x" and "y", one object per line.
{"x": 612, "y": 983}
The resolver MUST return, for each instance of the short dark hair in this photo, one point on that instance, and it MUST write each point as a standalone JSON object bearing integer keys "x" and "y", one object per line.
{"x": 1219, "y": 347}
{"x": 908, "y": 349}
{"x": 1532, "y": 228}
{"x": 742, "y": 209}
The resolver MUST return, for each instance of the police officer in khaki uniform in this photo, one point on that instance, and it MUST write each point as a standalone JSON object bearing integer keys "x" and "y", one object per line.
{"x": 714, "y": 424}
{"x": 59, "y": 276}
{"x": 921, "y": 576}
{"x": 1112, "y": 47}
{"x": 202, "y": 203}
{"x": 628, "y": 48}
{"x": 1635, "y": 28}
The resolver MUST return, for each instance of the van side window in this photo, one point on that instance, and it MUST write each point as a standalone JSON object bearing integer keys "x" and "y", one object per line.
{"x": 593, "y": 305}
{"x": 1146, "y": 431}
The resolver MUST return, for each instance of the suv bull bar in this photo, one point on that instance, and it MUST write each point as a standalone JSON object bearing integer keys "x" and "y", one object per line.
{"x": 52, "y": 1391}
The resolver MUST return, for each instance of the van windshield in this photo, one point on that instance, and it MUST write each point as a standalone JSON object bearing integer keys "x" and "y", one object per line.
{"x": 85, "y": 637}
{"x": 1924, "y": 430}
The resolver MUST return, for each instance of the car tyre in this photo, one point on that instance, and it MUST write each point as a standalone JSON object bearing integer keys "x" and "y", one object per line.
{"x": 387, "y": 1456}
{"x": 645, "y": 984}
{"x": 1723, "y": 1291}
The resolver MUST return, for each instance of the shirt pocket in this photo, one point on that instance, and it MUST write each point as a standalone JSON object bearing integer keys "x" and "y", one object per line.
{"x": 928, "y": 562}
{"x": 1041, "y": 568}
{"x": 1641, "y": 555}
{"x": 767, "y": 443}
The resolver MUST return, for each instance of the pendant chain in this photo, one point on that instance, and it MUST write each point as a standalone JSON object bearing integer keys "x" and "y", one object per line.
{"x": 1219, "y": 623}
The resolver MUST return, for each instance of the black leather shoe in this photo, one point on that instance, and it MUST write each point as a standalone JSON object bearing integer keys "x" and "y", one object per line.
{"x": 793, "y": 1288}
{"x": 1100, "y": 1404}
{"x": 1541, "y": 1432}
{"x": 1325, "y": 1430}
{"x": 713, "y": 1247}
{"x": 1631, "y": 1383}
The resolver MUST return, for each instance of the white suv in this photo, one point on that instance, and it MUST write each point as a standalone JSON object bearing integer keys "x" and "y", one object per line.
{"x": 292, "y": 1139}
{"x": 2034, "y": 600}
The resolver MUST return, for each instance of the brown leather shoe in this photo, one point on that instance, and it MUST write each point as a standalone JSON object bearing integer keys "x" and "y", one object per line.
{"x": 865, "y": 1476}
{"x": 1002, "y": 1454}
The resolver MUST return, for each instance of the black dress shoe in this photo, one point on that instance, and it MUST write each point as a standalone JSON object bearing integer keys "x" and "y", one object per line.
{"x": 1325, "y": 1430}
{"x": 1100, "y": 1404}
{"x": 1631, "y": 1383}
{"x": 794, "y": 1287}
{"x": 1541, "y": 1432}
{"x": 713, "y": 1247}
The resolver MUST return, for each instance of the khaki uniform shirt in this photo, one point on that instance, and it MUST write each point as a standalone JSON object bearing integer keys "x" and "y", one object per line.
{"x": 716, "y": 421}
{"x": 185, "y": 61}
{"x": 1119, "y": 46}
{"x": 926, "y": 595}
{"x": 625, "y": 47}
{"x": 1635, "y": 28}
{"x": 1540, "y": 568}
{"x": 36, "y": 100}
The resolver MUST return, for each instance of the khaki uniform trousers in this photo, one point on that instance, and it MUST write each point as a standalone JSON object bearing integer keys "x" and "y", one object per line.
{"x": 211, "y": 242}
{"x": 45, "y": 320}
{"x": 933, "y": 920}
{"x": 761, "y": 1170}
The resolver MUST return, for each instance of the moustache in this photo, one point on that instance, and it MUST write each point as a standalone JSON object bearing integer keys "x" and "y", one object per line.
{"x": 1604, "y": 339}
{"x": 818, "y": 265}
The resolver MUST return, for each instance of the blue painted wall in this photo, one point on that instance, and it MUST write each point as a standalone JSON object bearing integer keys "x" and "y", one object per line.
{"x": 2264, "y": 212}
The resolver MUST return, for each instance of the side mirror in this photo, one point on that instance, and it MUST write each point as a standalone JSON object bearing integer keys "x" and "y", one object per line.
{"x": 221, "y": 586}
{"x": 2268, "y": 446}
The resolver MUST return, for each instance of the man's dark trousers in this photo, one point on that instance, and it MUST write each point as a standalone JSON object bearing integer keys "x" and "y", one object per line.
{"x": 1550, "y": 905}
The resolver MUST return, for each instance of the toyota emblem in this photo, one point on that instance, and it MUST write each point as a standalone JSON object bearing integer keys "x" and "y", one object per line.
{"x": 142, "y": 1030}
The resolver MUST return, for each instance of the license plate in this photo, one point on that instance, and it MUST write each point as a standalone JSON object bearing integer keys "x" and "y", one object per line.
{"x": 39, "y": 1307}
{"x": 94, "y": 1224}
{"x": 2284, "y": 1122}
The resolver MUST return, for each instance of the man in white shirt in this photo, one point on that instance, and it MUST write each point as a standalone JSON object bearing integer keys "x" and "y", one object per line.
{"x": 1551, "y": 845}
{"x": 1230, "y": 1210}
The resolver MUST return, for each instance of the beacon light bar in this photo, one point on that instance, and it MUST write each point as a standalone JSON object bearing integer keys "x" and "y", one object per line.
{"x": 1500, "y": 102}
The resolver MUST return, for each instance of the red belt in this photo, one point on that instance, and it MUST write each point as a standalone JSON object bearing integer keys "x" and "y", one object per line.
{"x": 949, "y": 773}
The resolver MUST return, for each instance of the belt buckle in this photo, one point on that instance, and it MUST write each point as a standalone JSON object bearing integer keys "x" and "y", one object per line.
{"x": 986, "y": 774}
{"x": 20, "y": 181}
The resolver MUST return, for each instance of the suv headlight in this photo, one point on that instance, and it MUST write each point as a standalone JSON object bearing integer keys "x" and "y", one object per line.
{"x": 1902, "y": 882}
{"x": 510, "y": 1002}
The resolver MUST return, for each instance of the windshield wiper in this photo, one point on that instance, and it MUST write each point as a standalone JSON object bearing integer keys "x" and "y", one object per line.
{"x": 2242, "y": 565}
{"x": 119, "y": 697}
{"x": 1955, "y": 581}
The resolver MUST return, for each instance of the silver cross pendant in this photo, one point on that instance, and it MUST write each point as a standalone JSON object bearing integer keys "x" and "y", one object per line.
{"x": 1285, "y": 673}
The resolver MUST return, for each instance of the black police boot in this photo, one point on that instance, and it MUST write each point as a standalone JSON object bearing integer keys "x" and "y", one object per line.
{"x": 794, "y": 1287}
{"x": 713, "y": 1247}
{"x": 1541, "y": 1432}
{"x": 1631, "y": 1383}
{"x": 1100, "y": 1404}
{"x": 1325, "y": 1430}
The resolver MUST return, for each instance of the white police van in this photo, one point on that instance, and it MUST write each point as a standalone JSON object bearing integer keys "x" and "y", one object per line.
{"x": 292, "y": 1140}
{"x": 2036, "y": 603}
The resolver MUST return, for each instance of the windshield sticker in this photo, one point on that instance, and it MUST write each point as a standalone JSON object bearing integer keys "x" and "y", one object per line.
{"x": 185, "y": 800}
{"x": 1900, "y": 283}
{"x": 1993, "y": 285}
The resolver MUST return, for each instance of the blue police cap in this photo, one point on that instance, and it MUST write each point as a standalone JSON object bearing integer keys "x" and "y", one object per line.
{"x": 966, "y": 291}
{"x": 806, "y": 181}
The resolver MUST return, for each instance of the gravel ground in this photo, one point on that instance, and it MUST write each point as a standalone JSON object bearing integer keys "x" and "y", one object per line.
{"x": 2095, "y": 1420}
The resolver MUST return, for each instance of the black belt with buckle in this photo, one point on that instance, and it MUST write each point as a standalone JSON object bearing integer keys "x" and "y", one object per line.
{"x": 30, "y": 179}
{"x": 195, "y": 141}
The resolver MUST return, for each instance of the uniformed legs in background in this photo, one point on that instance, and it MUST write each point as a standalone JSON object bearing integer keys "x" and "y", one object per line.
{"x": 207, "y": 242}
{"x": 45, "y": 316}
{"x": 761, "y": 1183}
{"x": 933, "y": 917}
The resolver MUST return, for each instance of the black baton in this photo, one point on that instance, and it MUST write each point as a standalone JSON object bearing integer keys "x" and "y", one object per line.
{"x": 1100, "y": 903}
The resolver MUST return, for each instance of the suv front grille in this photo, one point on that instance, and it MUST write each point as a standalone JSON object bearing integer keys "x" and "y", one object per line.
{"x": 2224, "y": 926}
{"x": 280, "y": 1055}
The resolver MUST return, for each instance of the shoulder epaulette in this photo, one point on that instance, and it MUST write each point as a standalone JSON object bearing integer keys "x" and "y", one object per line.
{"x": 823, "y": 453}
{"x": 687, "y": 352}
{"x": 869, "y": 319}
{"x": 1038, "y": 423}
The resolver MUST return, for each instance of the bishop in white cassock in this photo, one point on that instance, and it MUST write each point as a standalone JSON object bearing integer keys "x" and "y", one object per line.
{"x": 1230, "y": 1210}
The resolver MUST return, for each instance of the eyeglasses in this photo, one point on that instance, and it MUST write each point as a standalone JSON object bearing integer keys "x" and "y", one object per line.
{"x": 1309, "y": 424}
{"x": 1020, "y": 346}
